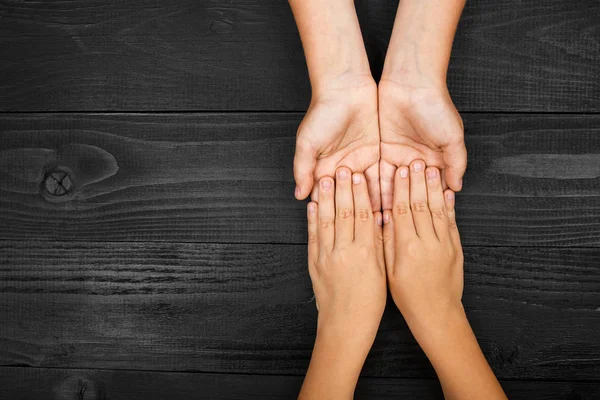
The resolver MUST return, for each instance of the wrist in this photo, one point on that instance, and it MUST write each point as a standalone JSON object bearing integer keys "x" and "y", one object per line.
{"x": 354, "y": 339}
{"x": 348, "y": 86}
{"x": 440, "y": 330}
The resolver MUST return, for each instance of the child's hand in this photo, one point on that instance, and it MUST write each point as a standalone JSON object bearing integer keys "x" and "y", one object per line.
{"x": 423, "y": 254}
{"x": 345, "y": 260}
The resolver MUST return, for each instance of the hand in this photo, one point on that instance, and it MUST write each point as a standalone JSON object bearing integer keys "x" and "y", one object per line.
{"x": 419, "y": 121}
{"x": 341, "y": 128}
{"x": 345, "y": 260}
{"x": 423, "y": 254}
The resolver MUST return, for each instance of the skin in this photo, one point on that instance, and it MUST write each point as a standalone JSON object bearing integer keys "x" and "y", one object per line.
{"x": 346, "y": 266}
{"x": 424, "y": 264}
{"x": 374, "y": 129}
{"x": 424, "y": 269}
{"x": 341, "y": 126}
{"x": 418, "y": 119}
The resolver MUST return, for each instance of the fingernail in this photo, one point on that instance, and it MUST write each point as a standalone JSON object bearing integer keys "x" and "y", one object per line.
{"x": 297, "y": 192}
{"x": 312, "y": 208}
{"x": 386, "y": 218}
{"x": 356, "y": 179}
{"x": 418, "y": 166}
{"x": 326, "y": 184}
{"x": 342, "y": 174}
{"x": 450, "y": 196}
{"x": 379, "y": 219}
{"x": 403, "y": 172}
{"x": 431, "y": 173}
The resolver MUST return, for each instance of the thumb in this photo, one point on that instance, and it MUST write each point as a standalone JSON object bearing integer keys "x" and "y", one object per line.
{"x": 455, "y": 160}
{"x": 304, "y": 166}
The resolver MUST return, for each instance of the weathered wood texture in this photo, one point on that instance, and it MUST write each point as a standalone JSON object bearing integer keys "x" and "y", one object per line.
{"x": 249, "y": 309}
{"x": 531, "y": 180}
{"x": 68, "y": 384}
{"x": 140, "y": 55}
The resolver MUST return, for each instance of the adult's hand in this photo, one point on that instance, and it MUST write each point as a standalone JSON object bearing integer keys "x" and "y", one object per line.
{"x": 417, "y": 117}
{"x": 419, "y": 121}
{"x": 341, "y": 125}
{"x": 340, "y": 129}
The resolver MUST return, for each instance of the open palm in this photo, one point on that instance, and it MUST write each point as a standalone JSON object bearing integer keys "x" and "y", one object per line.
{"x": 419, "y": 122}
{"x": 340, "y": 128}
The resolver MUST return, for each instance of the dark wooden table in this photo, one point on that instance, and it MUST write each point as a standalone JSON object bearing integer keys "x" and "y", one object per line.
{"x": 150, "y": 245}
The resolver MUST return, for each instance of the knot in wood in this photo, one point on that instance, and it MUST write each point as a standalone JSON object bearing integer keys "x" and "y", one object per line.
{"x": 58, "y": 183}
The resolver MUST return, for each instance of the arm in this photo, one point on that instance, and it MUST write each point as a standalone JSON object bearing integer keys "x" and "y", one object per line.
{"x": 332, "y": 42}
{"x": 417, "y": 116}
{"x": 424, "y": 263}
{"x": 348, "y": 278}
{"x": 422, "y": 40}
{"x": 341, "y": 126}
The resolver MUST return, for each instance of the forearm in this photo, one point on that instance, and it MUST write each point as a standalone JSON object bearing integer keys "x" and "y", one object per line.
{"x": 332, "y": 41}
{"x": 334, "y": 367}
{"x": 459, "y": 363}
{"x": 422, "y": 38}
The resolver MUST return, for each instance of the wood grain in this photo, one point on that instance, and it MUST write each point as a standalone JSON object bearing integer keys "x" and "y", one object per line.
{"x": 67, "y": 384}
{"x": 514, "y": 55}
{"x": 140, "y": 55}
{"x": 532, "y": 180}
{"x": 250, "y": 309}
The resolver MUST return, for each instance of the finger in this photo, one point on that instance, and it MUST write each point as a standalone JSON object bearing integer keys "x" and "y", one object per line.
{"x": 326, "y": 213}
{"x": 372, "y": 176}
{"x": 305, "y": 160}
{"x": 402, "y": 215}
{"x": 314, "y": 195}
{"x": 455, "y": 158}
{"x": 386, "y": 177}
{"x": 313, "y": 237}
{"x": 435, "y": 200}
{"x": 377, "y": 223}
{"x": 452, "y": 228}
{"x": 389, "y": 244}
{"x": 344, "y": 208}
{"x": 418, "y": 200}
{"x": 363, "y": 216}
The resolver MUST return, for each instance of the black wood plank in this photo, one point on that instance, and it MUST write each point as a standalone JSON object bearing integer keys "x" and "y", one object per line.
{"x": 67, "y": 384}
{"x": 140, "y": 55}
{"x": 532, "y": 179}
{"x": 249, "y": 309}
{"x": 515, "y": 55}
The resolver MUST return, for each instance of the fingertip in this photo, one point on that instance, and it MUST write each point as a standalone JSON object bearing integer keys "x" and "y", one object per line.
{"x": 300, "y": 193}
{"x": 325, "y": 184}
{"x": 357, "y": 178}
{"x": 311, "y": 209}
{"x": 387, "y": 217}
{"x": 449, "y": 198}
{"x": 379, "y": 218}
{"x": 342, "y": 173}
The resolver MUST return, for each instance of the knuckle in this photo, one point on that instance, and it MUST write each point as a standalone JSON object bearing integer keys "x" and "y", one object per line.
{"x": 418, "y": 205}
{"x": 401, "y": 208}
{"x": 325, "y": 222}
{"x": 363, "y": 214}
{"x": 385, "y": 237}
{"x": 438, "y": 213}
{"x": 345, "y": 213}
{"x": 312, "y": 237}
{"x": 452, "y": 224}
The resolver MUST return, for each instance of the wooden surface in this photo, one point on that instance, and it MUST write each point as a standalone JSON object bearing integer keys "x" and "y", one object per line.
{"x": 143, "y": 55}
{"x": 66, "y": 384}
{"x": 249, "y": 309}
{"x": 150, "y": 245}
{"x": 532, "y": 180}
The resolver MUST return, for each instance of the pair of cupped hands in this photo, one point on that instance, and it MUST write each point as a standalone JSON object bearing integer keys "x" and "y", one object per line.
{"x": 361, "y": 148}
